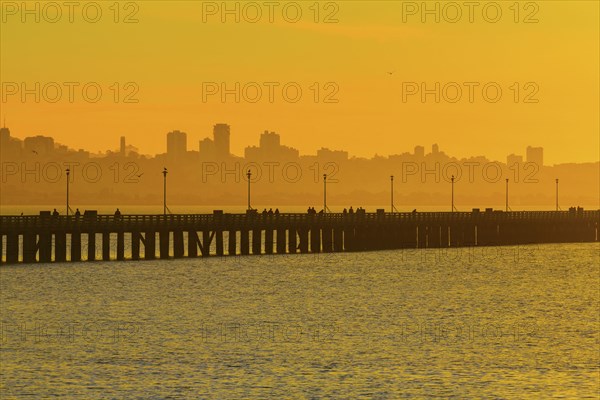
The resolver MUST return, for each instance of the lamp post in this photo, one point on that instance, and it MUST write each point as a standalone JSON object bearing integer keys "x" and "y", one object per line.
{"x": 556, "y": 194}
{"x": 68, "y": 171}
{"x": 392, "y": 193}
{"x": 249, "y": 175}
{"x": 165, "y": 172}
{"x": 506, "y": 194}
{"x": 452, "y": 193}
{"x": 324, "y": 193}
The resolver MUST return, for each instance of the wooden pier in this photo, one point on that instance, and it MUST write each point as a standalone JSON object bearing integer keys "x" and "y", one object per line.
{"x": 45, "y": 238}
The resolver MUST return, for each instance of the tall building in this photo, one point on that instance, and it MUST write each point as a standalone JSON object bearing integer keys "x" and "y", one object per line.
{"x": 206, "y": 149}
{"x": 4, "y": 135}
{"x": 122, "y": 147}
{"x": 10, "y": 148}
{"x": 39, "y": 144}
{"x": 5, "y": 142}
{"x": 513, "y": 159}
{"x": 435, "y": 149}
{"x": 176, "y": 143}
{"x": 270, "y": 149}
{"x": 221, "y": 134}
{"x": 535, "y": 155}
{"x": 270, "y": 142}
{"x": 419, "y": 151}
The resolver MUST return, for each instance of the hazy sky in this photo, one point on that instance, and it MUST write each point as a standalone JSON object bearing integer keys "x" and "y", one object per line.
{"x": 175, "y": 49}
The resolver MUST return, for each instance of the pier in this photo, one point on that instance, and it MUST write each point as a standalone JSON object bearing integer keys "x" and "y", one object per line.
{"x": 45, "y": 238}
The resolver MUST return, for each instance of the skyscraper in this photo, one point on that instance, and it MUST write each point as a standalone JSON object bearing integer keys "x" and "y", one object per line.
{"x": 206, "y": 149}
{"x": 4, "y": 135}
{"x": 270, "y": 148}
{"x": 513, "y": 159}
{"x": 270, "y": 142}
{"x": 4, "y": 140}
{"x": 122, "y": 147}
{"x": 535, "y": 155}
{"x": 221, "y": 133}
{"x": 419, "y": 151}
{"x": 9, "y": 146}
{"x": 176, "y": 143}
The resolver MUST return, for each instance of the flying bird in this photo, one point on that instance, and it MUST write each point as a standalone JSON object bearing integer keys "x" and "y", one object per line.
{"x": 391, "y": 73}
{"x": 34, "y": 151}
{"x": 140, "y": 175}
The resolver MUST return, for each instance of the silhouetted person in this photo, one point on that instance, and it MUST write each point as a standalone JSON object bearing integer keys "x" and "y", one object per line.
{"x": 270, "y": 211}
{"x": 117, "y": 214}
{"x": 77, "y": 213}
{"x": 351, "y": 210}
{"x": 277, "y": 211}
{"x": 264, "y": 213}
{"x": 55, "y": 213}
{"x": 345, "y": 211}
{"x": 308, "y": 211}
{"x": 415, "y": 211}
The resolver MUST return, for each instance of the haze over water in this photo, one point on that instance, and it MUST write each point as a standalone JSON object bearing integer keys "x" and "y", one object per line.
{"x": 506, "y": 322}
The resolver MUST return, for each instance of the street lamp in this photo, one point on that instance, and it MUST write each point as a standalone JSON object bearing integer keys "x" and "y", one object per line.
{"x": 249, "y": 175}
{"x": 452, "y": 193}
{"x": 324, "y": 193}
{"x": 68, "y": 171}
{"x": 165, "y": 172}
{"x": 556, "y": 194}
{"x": 506, "y": 194}
{"x": 392, "y": 193}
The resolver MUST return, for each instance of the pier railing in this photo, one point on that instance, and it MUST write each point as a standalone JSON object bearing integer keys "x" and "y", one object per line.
{"x": 10, "y": 223}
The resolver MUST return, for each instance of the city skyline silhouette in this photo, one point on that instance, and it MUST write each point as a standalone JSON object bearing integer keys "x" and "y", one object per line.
{"x": 269, "y": 146}
{"x": 213, "y": 175}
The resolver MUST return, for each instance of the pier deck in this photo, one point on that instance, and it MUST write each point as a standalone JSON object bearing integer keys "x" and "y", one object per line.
{"x": 43, "y": 238}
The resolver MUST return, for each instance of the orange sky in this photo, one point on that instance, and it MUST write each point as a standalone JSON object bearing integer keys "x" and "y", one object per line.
{"x": 170, "y": 53}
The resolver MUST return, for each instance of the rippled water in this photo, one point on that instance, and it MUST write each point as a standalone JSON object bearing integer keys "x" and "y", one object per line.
{"x": 512, "y": 322}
